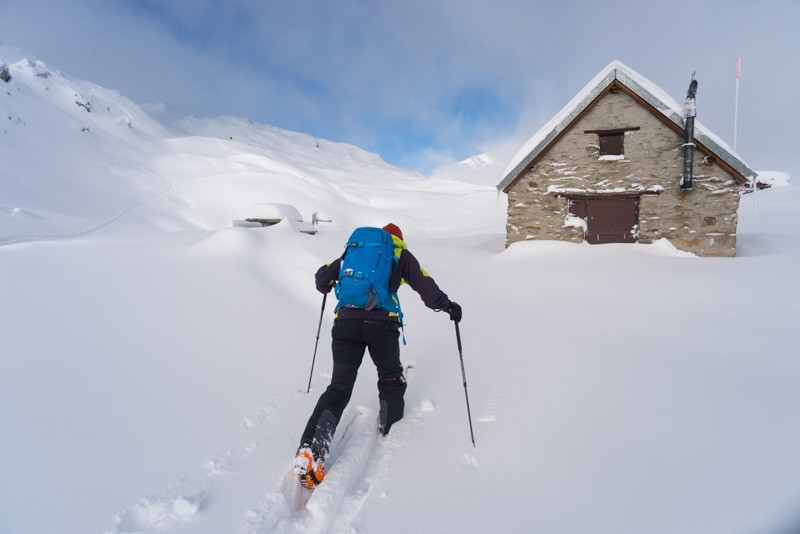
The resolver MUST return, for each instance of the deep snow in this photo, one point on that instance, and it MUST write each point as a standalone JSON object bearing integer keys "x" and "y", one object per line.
{"x": 155, "y": 356}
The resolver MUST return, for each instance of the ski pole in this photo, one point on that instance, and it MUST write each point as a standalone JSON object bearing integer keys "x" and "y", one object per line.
{"x": 316, "y": 344}
{"x": 464, "y": 376}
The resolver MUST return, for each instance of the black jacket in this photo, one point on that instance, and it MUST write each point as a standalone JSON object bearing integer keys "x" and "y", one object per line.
{"x": 407, "y": 270}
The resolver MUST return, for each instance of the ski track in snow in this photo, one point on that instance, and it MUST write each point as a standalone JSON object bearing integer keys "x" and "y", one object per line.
{"x": 354, "y": 459}
{"x": 358, "y": 459}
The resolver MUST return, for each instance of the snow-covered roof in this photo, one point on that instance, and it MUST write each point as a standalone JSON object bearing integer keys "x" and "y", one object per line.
{"x": 648, "y": 91}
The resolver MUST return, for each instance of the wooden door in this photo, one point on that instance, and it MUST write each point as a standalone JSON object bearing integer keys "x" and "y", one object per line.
{"x": 608, "y": 220}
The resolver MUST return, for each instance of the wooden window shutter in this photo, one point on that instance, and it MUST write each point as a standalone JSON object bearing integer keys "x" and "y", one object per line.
{"x": 611, "y": 144}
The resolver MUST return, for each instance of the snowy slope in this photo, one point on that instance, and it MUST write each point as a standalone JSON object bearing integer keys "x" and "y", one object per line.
{"x": 77, "y": 157}
{"x": 155, "y": 357}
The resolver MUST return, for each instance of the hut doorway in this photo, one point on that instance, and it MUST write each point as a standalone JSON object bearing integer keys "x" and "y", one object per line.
{"x": 608, "y": 220}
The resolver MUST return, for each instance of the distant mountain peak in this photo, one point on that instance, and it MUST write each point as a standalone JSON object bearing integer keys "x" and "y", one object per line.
{"x": 480, "y": 161}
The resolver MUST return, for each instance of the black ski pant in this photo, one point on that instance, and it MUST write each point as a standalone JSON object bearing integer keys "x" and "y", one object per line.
{"x": 350, "y": 339}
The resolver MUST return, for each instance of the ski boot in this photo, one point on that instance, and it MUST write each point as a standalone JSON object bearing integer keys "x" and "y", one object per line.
{"x": 311, "y": 470}
{"x": 309, "y": 462}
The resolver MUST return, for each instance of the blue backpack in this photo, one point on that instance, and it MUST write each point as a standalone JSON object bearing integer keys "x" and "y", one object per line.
{"x": 367, "y": 264}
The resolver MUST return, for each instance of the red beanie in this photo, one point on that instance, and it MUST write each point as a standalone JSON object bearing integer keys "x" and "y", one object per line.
{"x": 394, "y": 230}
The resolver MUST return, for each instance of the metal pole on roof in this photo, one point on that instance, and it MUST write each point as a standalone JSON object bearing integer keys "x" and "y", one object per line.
{"x": 736, "y": 102}
{"x": 736, "y": 123}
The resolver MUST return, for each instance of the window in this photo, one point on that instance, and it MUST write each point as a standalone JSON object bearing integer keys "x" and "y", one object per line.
{"x": 611, "y": 142}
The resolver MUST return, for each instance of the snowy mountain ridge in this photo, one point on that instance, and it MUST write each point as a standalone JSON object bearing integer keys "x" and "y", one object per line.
{"x": 106, "y": 156}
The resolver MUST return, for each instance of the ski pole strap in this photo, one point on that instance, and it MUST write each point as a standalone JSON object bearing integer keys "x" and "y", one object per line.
{"x": 400, "y": 316}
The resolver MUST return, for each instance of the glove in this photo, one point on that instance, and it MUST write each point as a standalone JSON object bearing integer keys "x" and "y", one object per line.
{"x": 454, "y": 310}
{"x": 325, "y": 289}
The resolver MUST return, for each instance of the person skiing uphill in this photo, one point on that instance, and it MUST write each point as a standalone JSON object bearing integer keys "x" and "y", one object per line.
{"x": 367, "y": 316}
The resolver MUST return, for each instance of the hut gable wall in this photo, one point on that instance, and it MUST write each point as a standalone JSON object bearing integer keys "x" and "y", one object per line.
{"x": 702, "y": 221}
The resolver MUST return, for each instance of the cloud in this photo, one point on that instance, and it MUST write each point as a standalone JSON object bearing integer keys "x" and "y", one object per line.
{"x": 418, "y": 81}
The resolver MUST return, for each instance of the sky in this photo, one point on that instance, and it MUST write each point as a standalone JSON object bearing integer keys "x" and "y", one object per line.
{"x": 425, "y": 83}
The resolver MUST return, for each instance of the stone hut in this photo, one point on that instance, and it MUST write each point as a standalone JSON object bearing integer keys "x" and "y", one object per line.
{"x": 609, "y": 167}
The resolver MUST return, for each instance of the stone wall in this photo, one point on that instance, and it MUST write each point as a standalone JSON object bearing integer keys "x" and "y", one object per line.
{"x": 702, "y": 221}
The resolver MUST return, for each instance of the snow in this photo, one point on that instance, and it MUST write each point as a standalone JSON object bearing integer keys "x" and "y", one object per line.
{"x": 155, "y": 355}
{"x": 573, "y": 221}
{"x": 673, "y": 108}
{"x": 776, "y": 178}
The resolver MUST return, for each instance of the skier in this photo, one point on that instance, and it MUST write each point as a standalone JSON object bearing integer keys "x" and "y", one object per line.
{"x": 354, "y": 330}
